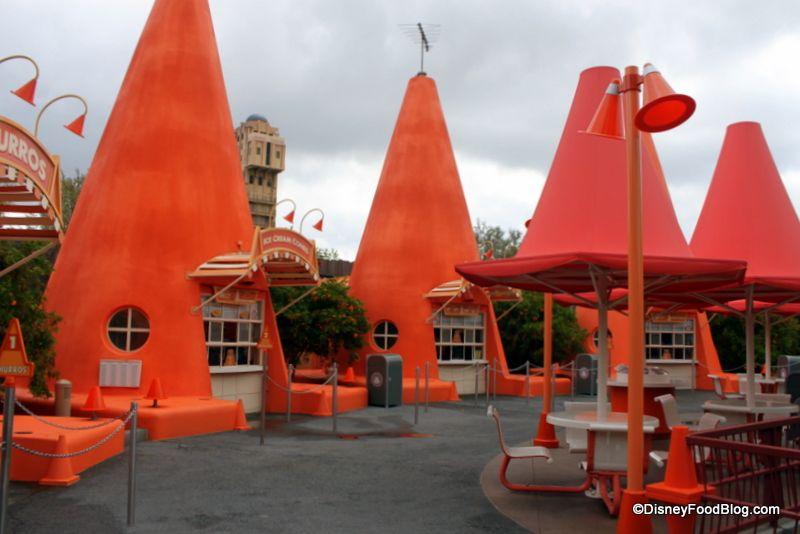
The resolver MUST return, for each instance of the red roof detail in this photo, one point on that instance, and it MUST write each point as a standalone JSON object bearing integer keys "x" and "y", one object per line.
{"x": 748, "y": 214}
{"x": 164, "y": 193}
{"x": 581, "y": 217}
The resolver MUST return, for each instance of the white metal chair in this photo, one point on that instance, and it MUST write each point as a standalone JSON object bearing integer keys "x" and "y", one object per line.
{"x": 671, "y": 415}
{"x": 708, "y": 421}
{"x": 514, "y": 453}
{"x": 719, "y": 389}
{"x": 577, "y": 439}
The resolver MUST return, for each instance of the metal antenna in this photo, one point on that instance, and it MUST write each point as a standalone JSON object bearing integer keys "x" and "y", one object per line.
{"x": 423, "y": 35}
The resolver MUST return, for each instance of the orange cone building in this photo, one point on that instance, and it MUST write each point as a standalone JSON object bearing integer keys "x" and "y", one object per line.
{"x": 164, "y": 194}
{"x": 418, "y": 229}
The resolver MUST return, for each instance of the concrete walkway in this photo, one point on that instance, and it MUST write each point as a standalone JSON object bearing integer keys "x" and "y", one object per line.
{"x": 307, "y": 480}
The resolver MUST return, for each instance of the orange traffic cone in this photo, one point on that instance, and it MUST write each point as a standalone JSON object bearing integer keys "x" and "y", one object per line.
{"x": 607, "y": 120}
{"x": 546, "y": 434}
{"x": 94, "y": 402}
{"x": 59, "y": 472}
{"x": 349, "y": 375}
{"x": 241, "y": 420}
{"x": 155, "y": 393}
{"x": 630, "y": 522}
{"x": 680, "y": 483}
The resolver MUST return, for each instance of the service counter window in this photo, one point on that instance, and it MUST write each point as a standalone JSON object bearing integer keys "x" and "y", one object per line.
{"x": 232, "y": 330}
{"x": 459, "y": 338}
{"x": 670, "y": 340}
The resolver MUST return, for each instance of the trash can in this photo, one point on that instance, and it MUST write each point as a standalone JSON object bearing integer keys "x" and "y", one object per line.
{"x": 385, "y": 379}
{"x": 586, "y": 374}
{"x": 789, "y": 370}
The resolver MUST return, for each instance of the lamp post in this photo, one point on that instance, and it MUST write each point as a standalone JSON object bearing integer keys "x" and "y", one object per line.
{"x": 663, "y": 110}
{"x": 76, "y": 126}
{"x": 289, "y": 217}
{"x": 317, "y": 225}
{"x": 26, "y": 91}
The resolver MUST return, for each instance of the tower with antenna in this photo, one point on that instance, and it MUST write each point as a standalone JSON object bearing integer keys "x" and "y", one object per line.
{"x": 424, "y": 35}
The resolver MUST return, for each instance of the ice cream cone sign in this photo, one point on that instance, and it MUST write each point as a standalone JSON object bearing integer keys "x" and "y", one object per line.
{"x": 264, "y": 343}
{"x": 13, "y": 359}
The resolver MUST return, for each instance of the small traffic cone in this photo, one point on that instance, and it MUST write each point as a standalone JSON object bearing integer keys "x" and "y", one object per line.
{"x": 155, "y": 393}
{"x": 94, "y": 402}
{"x": 349, "y": 375}
{"x": 680, "y": 482}
{"x": 59, "y": 472}
{"x": 546, "y": 434}
{"x": 630, "y": 522}
{"x": 241, "y": 420}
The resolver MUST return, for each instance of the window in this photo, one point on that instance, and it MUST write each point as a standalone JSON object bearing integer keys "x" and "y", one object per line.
{"x": 269, "y": 153}
{"x": 458, "y": 338}
{"x": 669, "y": 340}
{"x": 258, "y": 150}
{"x": 384, "y": 335}
{"x": 232, "y": 332}
{"x": 128, "y": 329}
{"x": 260, "y": 180}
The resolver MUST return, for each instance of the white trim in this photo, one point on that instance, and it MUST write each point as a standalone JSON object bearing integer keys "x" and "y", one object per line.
{"x": 232, "y": 369}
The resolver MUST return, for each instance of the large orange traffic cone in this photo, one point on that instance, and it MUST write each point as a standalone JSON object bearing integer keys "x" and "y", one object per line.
{"x": 680, "y": 483}
{"x": 59, "y": 472}
{"x": 241, "y": 420}
{"x": 94, "y": 402}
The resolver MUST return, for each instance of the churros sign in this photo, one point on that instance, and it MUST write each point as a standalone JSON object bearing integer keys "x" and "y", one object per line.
{"x": 22, "y": 151}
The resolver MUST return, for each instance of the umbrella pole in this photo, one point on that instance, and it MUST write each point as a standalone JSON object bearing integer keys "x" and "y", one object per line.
{"x": 602, "y": 355}
{"x": 546, "y": 434}
{"x": 749, "y": 327}
{"x": 767, "y": 346}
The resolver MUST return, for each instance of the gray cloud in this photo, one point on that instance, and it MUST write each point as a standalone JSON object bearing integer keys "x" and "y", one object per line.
{"x": 331, "y": 76}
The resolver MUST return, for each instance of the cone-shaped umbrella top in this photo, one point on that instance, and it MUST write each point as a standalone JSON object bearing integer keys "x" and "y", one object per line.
{"x": 581, "y": 217}
{"x": 164, "y": 193}
{"x": 747, "y": 213}
{"x": 418, "y": 227}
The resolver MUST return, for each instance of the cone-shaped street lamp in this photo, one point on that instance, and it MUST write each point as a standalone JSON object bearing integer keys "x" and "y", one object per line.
{"x": 27, "y": 91}
{"x": 76, "y": 126}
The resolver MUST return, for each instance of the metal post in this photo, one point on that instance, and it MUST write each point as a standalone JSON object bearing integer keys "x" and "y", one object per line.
{"x": 527, "y": 382}
{"x": 494, "y": 380}
{"x": 487, "y": 380}
{"x": 416, "y": 395}
{"x": 335, "y": 399}
{"x": 263, "y": 398}
{"x": 477, "y": 372}
{"x": 289, "y": 393}
{"x": 427, "y": 374}
{"x": 386, "y": 385}
{"x": 8, "y": 431}
{"x": 132, "y": 466}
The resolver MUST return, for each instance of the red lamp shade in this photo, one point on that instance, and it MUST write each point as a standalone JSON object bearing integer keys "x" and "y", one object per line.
{"x": 318, "y": 225}
{"x": 76, "y": 126}
{"x": 289, "y": 217}
{"x": 607, "y": 120}
{"x": 489, "y": 254}
{"x": 94, "y": 401}
{"x": 663, "y": 108}
{"x": 27, "y": 91}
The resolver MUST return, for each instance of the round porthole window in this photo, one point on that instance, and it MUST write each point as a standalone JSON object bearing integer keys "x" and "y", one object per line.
{"x": 385, "y": 335}
{"x": 128, "y": 329}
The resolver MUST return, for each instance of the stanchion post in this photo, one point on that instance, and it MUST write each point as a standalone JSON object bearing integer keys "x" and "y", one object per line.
{"x": 477, "y": 373}
{"x": 527, "y": 382}
{"x": 263, "y": 399}
{"x": 386, "y": 385}
{"x": 427, "y": 375}
{"x": 335, "y": 399}
{"x": 495, "y": 367}
{"x": 487, "y": 380}
{"x": 132, "y": 465}
{"x": 289, "y": 392}
{"x": 5, "y": 470}
{"x": 416, "y": 395}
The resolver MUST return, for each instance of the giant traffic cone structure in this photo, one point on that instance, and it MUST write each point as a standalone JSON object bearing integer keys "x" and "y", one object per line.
{"x": 418, "y": 229}
{"x": 164, "y": 193}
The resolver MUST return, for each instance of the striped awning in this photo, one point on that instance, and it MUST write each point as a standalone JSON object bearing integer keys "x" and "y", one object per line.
{"x": 455, "y": 288}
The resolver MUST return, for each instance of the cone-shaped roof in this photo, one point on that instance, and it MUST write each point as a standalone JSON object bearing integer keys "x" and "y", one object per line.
{"x": 418, "y": 227}
{"x": 747, "y": 213}
{"x": 163, "y": 194}
{"x": 581, "y": 217}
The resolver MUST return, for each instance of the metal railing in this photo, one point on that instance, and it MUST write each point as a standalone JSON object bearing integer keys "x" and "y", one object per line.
{"x": 756, "y": 464}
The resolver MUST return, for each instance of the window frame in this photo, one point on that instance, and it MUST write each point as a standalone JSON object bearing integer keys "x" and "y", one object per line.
{"x": 251, "y": 341}
{"x": 385, "y": 335}
{"x": 673, "y": 329}
{"x": 128, "y": 330}
{"x": 478, "y": 347}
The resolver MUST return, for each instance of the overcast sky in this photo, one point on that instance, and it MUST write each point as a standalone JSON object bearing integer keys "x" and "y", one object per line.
{"x": 331, "y": 76}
